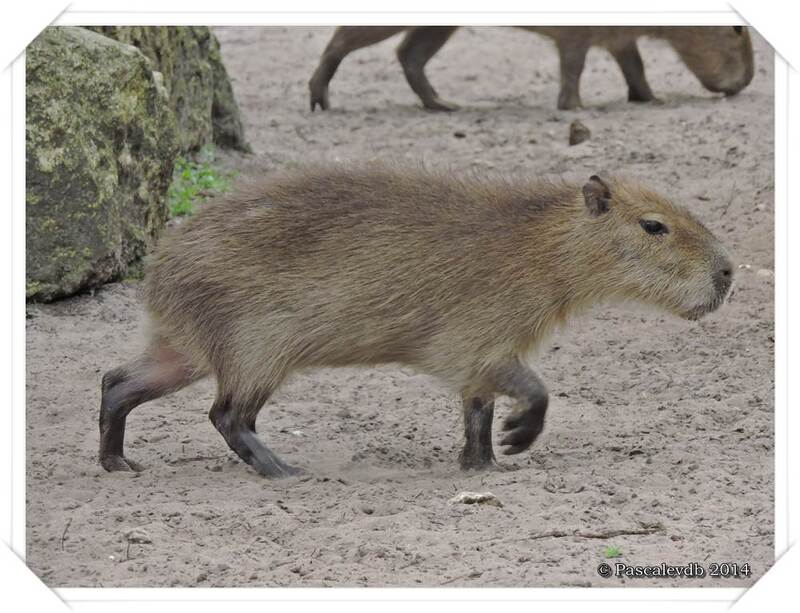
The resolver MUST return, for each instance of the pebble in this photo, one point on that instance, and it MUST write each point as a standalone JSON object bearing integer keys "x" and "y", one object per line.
{"x": 137, "y": 535}
{"x": 578, "y": 133}
{"x": 477, "y": 498}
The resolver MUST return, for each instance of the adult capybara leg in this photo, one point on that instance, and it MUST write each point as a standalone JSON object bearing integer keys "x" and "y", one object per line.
{"x": 419, "y": 46}
{"x": 234, "y": 417}
{"x": 629, "y": 60}
{"x": 345, "y": 40}
{"x": 527, "y": 421}
{"x": 478, "y": 415}
{"x": 159, "y": 371}
{"x": 572, "y": 57}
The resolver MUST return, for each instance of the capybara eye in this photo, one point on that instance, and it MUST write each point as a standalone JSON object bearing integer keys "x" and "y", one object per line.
{"x": 737, "y": 29}
{"x": 651, "y": 226}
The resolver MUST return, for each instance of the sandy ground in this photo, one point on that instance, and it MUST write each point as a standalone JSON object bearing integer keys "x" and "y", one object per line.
{"x": 654, "y": 422}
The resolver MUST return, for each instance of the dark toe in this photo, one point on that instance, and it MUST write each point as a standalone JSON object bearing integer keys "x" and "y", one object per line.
{"x": 514, "y": 449}
{"x": 115, "y": 463}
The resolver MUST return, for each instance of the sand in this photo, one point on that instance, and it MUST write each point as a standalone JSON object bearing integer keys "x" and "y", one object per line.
{"x": 659, "y": 439}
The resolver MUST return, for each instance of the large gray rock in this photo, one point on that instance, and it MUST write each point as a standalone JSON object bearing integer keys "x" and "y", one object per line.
{"x": 101, "y": 145}
{"x": 200, "y": 91}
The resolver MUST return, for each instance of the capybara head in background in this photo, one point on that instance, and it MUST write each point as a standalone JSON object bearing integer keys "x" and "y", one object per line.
{"x": 721, "y": 57}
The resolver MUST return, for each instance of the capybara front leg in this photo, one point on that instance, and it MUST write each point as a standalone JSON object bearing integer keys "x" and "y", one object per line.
{"x": 478, "y": 414}
{"x": 235, "y": 420}
{"x": 158, "y": 372}
{"x": 345, "y": 40}
{"x": 417, "y": 48}
{"x": 572, "y": 58}
{"x": 630, "y": 62}
{"x": 527, "y": 421}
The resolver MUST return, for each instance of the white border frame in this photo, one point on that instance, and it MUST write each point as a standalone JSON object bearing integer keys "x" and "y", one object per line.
{"x": 88, "y": 14}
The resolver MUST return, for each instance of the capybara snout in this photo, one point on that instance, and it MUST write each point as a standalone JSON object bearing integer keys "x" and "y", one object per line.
{"x": 723, "y": 276}
{"x": 459, "y": 278}
{"x": 720, "y": 57}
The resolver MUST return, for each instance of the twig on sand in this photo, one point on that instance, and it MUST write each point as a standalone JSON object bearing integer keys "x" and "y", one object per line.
{"x": 64, "y": 534}
{"x": 730, "y": 201}
{"x": 604, "y": 534}
{"x": 587, "y": 534}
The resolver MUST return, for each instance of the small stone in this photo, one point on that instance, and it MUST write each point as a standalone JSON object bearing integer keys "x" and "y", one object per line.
{"x": 477, "y": 498}
{"x": 578, "y": 133}
{"x": 459, "y": 134}
{"x": 766, "y": 273}
{"x": 138, "y": 536}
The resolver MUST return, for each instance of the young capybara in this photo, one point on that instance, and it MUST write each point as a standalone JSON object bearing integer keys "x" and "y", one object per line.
{"x": 460, "y": 278}
{"x": 720, "y": 56}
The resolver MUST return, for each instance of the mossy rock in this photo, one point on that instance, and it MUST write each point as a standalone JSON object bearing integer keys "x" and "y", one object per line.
{"x": 101, "y": 143}
{"x": 200, "y": 91}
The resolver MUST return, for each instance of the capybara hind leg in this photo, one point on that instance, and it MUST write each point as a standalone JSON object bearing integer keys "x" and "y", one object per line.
{"x": 235, "y": 420}
{"x": 527, "y": 421}
{"x": 345, "y": 40}
{"x": 630, "y": 62}
{"x": 156, "y": 373}
{"x": 419, "y": 46}
{"x": 572, "y": 58}
{"x": 478, "y": 414}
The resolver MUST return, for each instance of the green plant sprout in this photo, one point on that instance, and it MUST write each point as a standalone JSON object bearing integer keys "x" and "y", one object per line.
{"x": 612, "y": 552}
{"x": 194, "y": 181}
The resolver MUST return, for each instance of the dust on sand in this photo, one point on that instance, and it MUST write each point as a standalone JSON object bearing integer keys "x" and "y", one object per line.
{"x": 659, "y": 440}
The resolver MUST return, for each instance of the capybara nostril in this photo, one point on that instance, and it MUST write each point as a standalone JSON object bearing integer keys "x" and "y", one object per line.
{"x": 723, "y": 278}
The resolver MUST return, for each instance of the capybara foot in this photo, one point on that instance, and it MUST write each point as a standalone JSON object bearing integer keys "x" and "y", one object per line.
{"x": 263, "y": 460}
{"x": 522, "y": 427}
{"x": 114, "y": 463}
{"x": 637, "y": 97}
{"x": 437, "y": 104}
{"x": 319, "y": 97}
{"x": 277, "y": 470}
{"x": 476, "y": 457}
{"x": 568, "y": 102}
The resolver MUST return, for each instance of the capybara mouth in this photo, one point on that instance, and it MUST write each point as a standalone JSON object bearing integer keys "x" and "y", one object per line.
{"x": 704, "y": 309}
{"x": 695, "y": 313}
{"x": 731, "y": 92}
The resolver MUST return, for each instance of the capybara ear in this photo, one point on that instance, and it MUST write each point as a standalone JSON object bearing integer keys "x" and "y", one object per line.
{"x": 597, "y": 194}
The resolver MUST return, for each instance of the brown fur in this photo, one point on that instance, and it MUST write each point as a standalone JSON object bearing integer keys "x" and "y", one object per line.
{"x": 720, "y": 56}
{"x": 460, "y": 278}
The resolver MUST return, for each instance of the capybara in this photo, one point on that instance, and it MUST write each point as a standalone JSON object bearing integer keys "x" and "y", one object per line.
{"x": 459, "y": 277}
{"x": 720, "y": 56}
